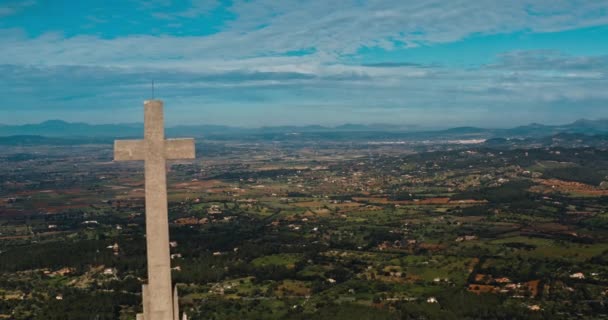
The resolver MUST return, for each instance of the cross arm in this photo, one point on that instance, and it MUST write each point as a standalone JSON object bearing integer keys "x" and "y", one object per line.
{"x": 176, "y": 149}
{"x": 129, "y": 150}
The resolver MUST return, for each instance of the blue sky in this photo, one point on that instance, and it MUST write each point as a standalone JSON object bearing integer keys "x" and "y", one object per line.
{"x": 424, "y": 63}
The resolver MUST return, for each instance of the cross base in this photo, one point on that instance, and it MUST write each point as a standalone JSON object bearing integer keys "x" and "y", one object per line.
{"x": 146, "y": 303}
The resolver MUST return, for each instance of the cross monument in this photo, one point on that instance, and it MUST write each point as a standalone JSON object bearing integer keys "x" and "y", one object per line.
{"x": 159, "y": 300}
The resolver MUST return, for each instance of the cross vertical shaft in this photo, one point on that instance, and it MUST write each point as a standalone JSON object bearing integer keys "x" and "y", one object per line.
{"x": 160, "y": 301}
{"x": 157, "y": 223}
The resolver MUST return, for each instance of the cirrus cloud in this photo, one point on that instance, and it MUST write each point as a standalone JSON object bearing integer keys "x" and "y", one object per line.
{"x": 310, "y": 56}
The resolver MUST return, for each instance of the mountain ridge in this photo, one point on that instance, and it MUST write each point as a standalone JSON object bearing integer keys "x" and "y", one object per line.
{"x": 60, "y": 128}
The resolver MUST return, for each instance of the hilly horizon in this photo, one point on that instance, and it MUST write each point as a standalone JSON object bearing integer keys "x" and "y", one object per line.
{"x": 61, "y": 128}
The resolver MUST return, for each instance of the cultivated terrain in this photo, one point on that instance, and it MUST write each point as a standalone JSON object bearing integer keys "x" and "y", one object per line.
{"x": 288, "y": 223}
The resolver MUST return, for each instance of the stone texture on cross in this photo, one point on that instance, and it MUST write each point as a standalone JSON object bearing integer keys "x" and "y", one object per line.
{"x": 160, "y": 301}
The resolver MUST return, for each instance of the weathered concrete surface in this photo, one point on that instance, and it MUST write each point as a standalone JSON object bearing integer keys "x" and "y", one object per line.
{"x": 155, "y": 150}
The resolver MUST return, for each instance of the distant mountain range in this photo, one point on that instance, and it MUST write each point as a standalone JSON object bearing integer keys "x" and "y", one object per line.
{"x": 59, "y": 128}
{"x": 62, "y": 129}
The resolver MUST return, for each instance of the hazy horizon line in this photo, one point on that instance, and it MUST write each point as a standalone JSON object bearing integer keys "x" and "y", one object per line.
{"x": 403, "y": 126}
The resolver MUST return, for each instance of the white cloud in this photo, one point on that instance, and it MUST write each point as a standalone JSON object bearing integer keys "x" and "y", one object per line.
{"x": 245, "y": 62}
{"x": 333, "y": 28}
{"x": 538, "y": 60}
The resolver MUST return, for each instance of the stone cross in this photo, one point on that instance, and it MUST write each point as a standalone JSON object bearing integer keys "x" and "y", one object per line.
{"x": 159, "y": 300}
